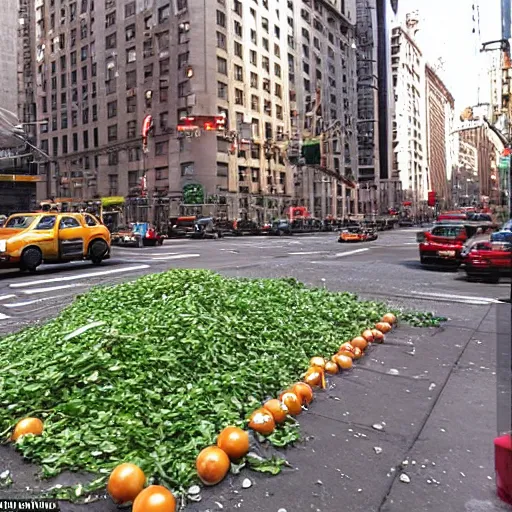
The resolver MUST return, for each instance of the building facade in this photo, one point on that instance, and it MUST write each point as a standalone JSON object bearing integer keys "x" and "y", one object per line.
{"x": 409, "y": 123}
{"x": 9, "y": 55}
{"x": 440, "y": 106}
{"x": 325, "y": 107}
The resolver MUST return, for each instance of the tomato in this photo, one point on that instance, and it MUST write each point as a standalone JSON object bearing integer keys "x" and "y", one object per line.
{"x": 317, "y": 361}
{"x": 344, "y": 362}
{"x": 359, "y": 343}
{"x": 155, "y": 498}
{"x": 278, "y": 410}
{"x": 389, "y": 318}
{"x": 27, "y": 426}
{"x": 383, "y": 327}
{"x": 212, "y": 465}
{"x": 304, "y": 392}
{"x": 234, "y": 441}
{"x": 331, "y": 367}
{"x": 262, "y": 421}
{"x": 126, "y": 483}
{"x": 292, "y": 401}
{"x": 368, "y": 335}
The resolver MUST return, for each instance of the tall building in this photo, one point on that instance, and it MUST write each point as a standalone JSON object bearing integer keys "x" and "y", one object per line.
{"x": 379, "y": 188}
{"x": 324, "y": 89}
{"x": 9, "y": 55}
{"x": 440, "y": 106}
{"x": 409, "y": 123}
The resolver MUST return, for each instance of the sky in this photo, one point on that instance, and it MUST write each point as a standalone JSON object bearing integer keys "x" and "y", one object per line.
{"x": 446, "y": 30}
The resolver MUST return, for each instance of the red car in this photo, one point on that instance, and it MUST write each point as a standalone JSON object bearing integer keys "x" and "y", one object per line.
{"x": 488, "y": 260}
{"x": 443, "y": 244}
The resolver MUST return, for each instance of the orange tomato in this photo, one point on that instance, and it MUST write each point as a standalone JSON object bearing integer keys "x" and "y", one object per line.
{"x": 383, "y": 327}
{"x": 155, "y": 498}
{"x": 389, "y": 318}
{"x": 331, "y": 367}
{"x": 378, "y": 336}
{"x": 344, "y": 362}
{"x": 292, "y": 401}
{"x": 368, "y": 335}
{"x": 359, "y": 343}
{"x": 317, "y": 361}
{"x": 346, "y": 347}
{"x": 234, "y": 441}
{"x": 262, "y": 421}
{"x": 358, "y": 353}
{"x": 278, "y": 410}
{"x": 125, "y": 483}
{"x": 27, "y": 426}
{"x": 212, "y": 465}
{"x": 304, "y": 392}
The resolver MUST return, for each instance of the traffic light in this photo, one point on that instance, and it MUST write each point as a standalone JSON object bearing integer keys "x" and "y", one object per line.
{"x": 432, "y": 198}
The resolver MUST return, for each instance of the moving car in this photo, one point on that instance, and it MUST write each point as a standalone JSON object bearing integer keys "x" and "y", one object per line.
{"x": 488, "y": 260}
{"x": 444, "y": 243}
{"x": 148, "y": 232}
{"x": 206, "y": 228}
{"x": 29, "y": 239}
{"x": 281, "y": 227}
{"x": 357, "y": 234}
{"x": 138, "y": 234}
{"x": 181, "y": 227}
{"x": 125, "y": 236}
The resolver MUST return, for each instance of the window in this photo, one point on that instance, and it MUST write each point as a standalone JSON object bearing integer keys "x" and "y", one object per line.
{"x": 254, "y": 36}
{"x": 85, "y": 115}
{"x": 279, "y": 112}
{"x": 131, "y": 79}
{"x": 221, "y": 41}
{"x": 131, "y": 129}
{"x": 73, "y": 38}
{"x": 254, "y": 80}
{"x": 187, "y": 169}
{"x": 183, "y": 89}
{"x": 73, "y": 78}
{"x": 238, "y": 29}
{"x": 112, "y": 133}
{"x": 83, "y": 30}
{"x": 148, "y": 71}
{"x": 63, "y": 81}
{"x": 85, "y": 138}
{"x": 265, "y": 63}
{"x": 265, "y": 43}
{"x": 74, "y": 118}
{"x": 164, "y": 95}
{"x": 253, "y": 57}
{"x": 222, "y": 169}
{"x": 163, "y": 120}
{"x": 112, "y": 184}
{"x": 90, "y": 220}
{"x": 264, "y": 24}
{"x": 110, "y": 19}
{"x": 130, "y": 32}
{"x": 129, "y": 10}
{"x": 112, "y": 109}
{"x": 238, "y": 49}
{"x": 164, "y": 67}
{"x": 222, "y": 90}
{"x": 54, "y": 67}
{"x": 161, "y": 148}
{"x": 63, "y": 63}
{"x": 131, "y": 55}
{"x": 163, "y": 41}
{"x": 181, "y": 4}
{"x": 63, "y": 120}
{"x": 75, "y": 142}
{"x": 73, "y": 58}
{"x": 255, "y": 103}
{"x": 237, "y": 7}
{"x": 277, "y": 31}
{"x": 239, "y": 73}
{"x": 95, "y": 113}
{"x": 277, "y": 50}
{"x": 65, "y": 144}
{"x": 111, "y": 41}
{"x": 239, "y": 97}
{"x": 182, "y": 60}
{"x": 46, "y": 223}
{"x": 113, "y": 158}
{"x": 277, "y": 69}
{"x": 84, "y": 74}
{"x": 96, "y": 139}
{"x": 278, "y": 91}
{"x": 164, "y": 13}
{"x": 221, "y": 19}
{"x": 133, "y": 155}
{"x": 222, "y": 65}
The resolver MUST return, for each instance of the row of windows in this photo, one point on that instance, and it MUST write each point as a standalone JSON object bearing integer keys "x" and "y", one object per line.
{"x": 238, "y": 29}
{"x": 222, "y": 67}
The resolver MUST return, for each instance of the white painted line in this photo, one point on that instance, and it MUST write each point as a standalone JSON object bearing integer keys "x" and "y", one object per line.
{"x": 4, "y": 317}
{"x": 466, "y": 298}
{"x": 30, "y": 302}
{"x": 52, "y": 288}
{"x": 305, "y": 253}
{"x": 5, "y": 297}
{"x": 176, "y": 257}
{"x": 76, "y": 277}
{"x": 161, "y": 254}
{"x": 350, "y": 253}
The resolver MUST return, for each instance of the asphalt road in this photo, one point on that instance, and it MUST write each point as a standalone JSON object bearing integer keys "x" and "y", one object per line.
{"x": 432, "y": 390}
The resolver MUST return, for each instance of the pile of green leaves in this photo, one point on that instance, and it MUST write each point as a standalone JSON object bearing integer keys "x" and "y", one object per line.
{"x": 164, "y": 364}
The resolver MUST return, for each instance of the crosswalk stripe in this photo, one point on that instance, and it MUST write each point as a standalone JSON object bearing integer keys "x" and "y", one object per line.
{"x": 77, "y": 277}
{"x": 4, "y": 317}
{"x": 349, "y": 253}
{"x": 52, "y": 288}
{"x": 305, "y": 253}
{"x": 5, "y": 297}
{"x": 30, "y": 302}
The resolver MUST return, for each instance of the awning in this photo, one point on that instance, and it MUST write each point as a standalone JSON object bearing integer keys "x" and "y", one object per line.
{"x": 112, "y": 201}
{"x": 20, "y": 178}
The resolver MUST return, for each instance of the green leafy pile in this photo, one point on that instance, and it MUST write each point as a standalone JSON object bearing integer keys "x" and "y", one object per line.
{"x": 150, "y": 371}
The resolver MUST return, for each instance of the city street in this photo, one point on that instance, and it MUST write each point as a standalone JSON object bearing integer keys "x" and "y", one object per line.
{"x": 431, "y": 391}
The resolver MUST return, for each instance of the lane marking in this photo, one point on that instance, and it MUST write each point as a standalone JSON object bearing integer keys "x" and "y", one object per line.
{"x": 78, "y": 276}
{"x": 4, "y": 317}
{"x": 30, "y": 302}
{"x": 465, "y": 298}
{"x": 350, "y": 253}
{"x": 51, "y": 288}
{"x": 5, "y": 297}
{"x": 305, "y": 253}
{"x": 176, "y": 257}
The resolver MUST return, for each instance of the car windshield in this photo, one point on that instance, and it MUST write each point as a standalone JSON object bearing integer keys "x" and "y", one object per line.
{"x": 448, "y": 231}
{"x": 19, "y": 222}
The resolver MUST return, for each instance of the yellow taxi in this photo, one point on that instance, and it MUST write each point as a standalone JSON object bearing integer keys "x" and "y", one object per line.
{"x": 29, "y": 239}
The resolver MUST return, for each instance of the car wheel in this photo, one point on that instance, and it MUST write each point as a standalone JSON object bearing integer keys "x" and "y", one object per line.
{"x": 31, "y": 258}
{"x": 98, "y": 251}
{"x": 140, "y": 243}
{"x": 493, "y": 278}
{"x": 161, "y": 241}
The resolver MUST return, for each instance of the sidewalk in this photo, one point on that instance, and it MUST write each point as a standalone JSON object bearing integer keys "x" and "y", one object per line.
{"x": 434, "y": 393}
{"x": 439, "y": 419}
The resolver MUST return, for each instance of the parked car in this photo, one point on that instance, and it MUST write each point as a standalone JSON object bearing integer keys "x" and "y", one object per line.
{"x": 206, "y": 228}
{"x": 488, "y": 260}
{"x": 125, "y": 236}
{"x": 245, "y": 227}
{"x": 27, "y": 240}
{"x": 357, "y": 234}
{"x": 181, "y": 227}
{"x": 149, "y": 234}
{"x": 281, "y": 227}
{"x": 405, "y": 223}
